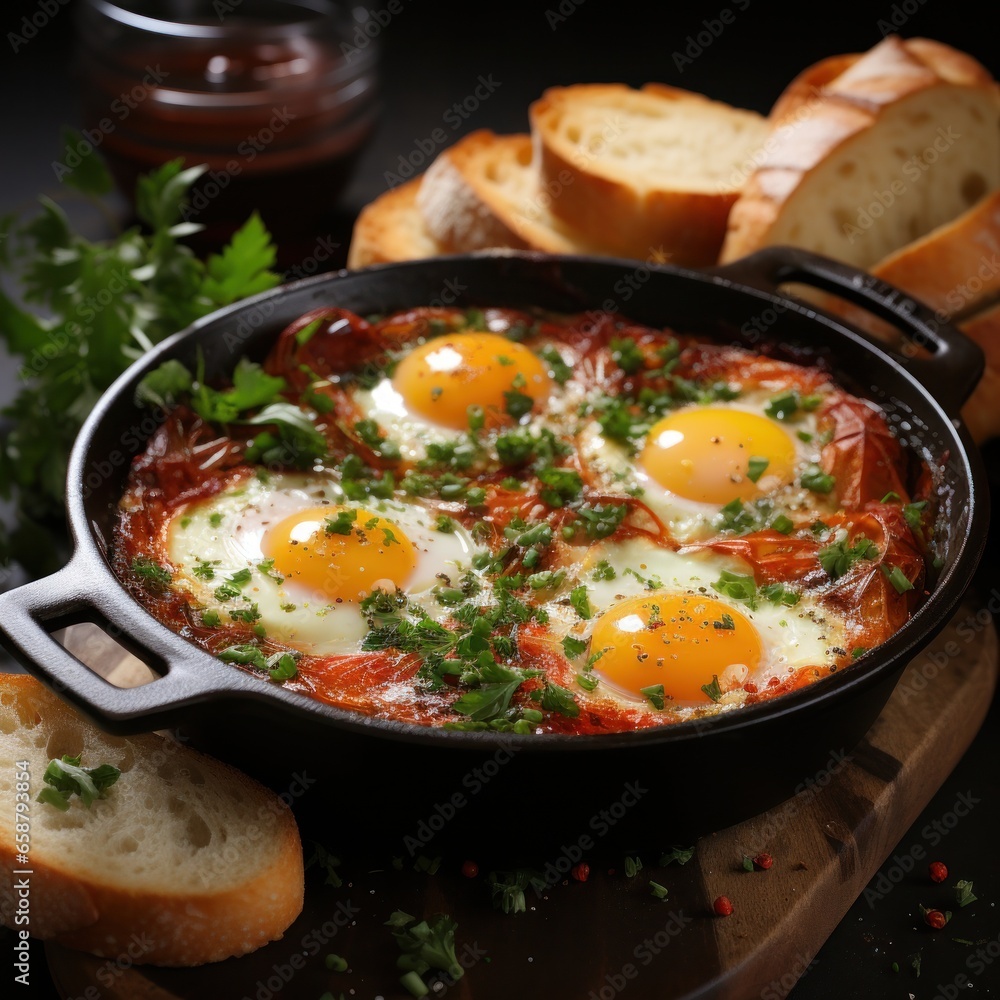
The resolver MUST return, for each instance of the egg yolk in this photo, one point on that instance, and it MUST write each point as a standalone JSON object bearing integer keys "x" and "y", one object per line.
{"x": 676, "y": 640}
{"x": 441, "y": 379}
{"x": 716, "y": 454}
{"x": 340, "y": 553}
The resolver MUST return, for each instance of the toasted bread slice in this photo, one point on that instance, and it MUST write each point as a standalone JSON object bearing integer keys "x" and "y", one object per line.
{"x": 483, "y": 192}
{"x": 185, "y": 854}
{"x": 954, "y": 269}
{"x": 646, "y": 169}
{"x": 902, "y": 141}
{"x": 391, "y": 229}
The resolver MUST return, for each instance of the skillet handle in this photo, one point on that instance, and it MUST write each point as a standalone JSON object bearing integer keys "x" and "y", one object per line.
{"x": 956, "y": 363}
{"x": 28, "y": 616}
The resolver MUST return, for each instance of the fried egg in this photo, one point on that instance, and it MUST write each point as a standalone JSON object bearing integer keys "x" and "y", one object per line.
{"x": 658, "y": 619}
{"x": 435, "y": 386}
{"x": 293, "y": 556}
{"x": 698, "y": 459}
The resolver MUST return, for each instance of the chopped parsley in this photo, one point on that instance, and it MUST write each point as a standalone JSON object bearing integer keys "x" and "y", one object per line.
{"x": 778, "y": 593}
{"x": 65, "y": 777}
{"x": 898, "y": 579}
{"x": 739, "y": 588}
{"x": 726, "y": 623}
{"x": 580, "y": 602}
{"x": 713, "y": 690}
{"x": 654, "y": 695}
{"x": 574, "y": 647}
{"x": 371, "y": 434}
{"x": 342, "y": 524}
{"x": 603, "y": 571}
{"x": 152, "y": 574}
{"x": 682, "y": 855}
{"x": 814, "y": 478}
{"x": 756, "y": 467}
{"x": 558, "y": 369}
{"x": 837, "y": 558}
{"x": 625, "y": 353}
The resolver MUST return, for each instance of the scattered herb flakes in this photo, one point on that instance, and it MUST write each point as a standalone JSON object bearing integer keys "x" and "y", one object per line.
{"x": 152, "y": 574}
{"x": 424, "y": 945}
{"x": 713, "y": 690}
{"x": 326, "y": 861}
{"x": 654, "y": 694}
{"x": 507, "y": 888}
{"x": 963, "y": 893}
{"x": 682, "y": 855}
{"x": 837, "y": 558}
{"x": 633, "y": 865}
{"x": 657, "y": 890}
{"x": 65, "y": 777}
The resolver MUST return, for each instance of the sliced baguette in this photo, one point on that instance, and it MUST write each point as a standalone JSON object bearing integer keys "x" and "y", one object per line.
{"x": 185, "y": 855}
{"x": 954, "y": 269}
{"x": 905, "y": 139}
{"x": 652, "y": 168}
{"x": 483, "y": 192}
{"x": 391, "y": 229}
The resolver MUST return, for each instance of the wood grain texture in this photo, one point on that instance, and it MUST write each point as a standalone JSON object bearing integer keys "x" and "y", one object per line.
{"x": 610, "y": 935}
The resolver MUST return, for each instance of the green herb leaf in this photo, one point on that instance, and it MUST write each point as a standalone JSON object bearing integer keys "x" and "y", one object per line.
{"x": 838, "y": 558}
{"x": 756, "y": 467}
{"x": 657, "y": 890}
{"x": 713, "y": 690}
{"x": 898, "y": 579}
{"x": 815, "y": 479}
{"x": 152, "y": 574}
{"x": 964, "y": 894}
{"x": 654, "y": 695}
{"x": 682, "y": 855}
{"x": 739, "y": 588}
{"x": 626, "y": 354}
{"x": 66, "y": 777}
{"x": 581, "y": 603}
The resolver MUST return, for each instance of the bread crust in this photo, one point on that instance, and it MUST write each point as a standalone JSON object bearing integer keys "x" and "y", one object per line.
{"x": 483, "y": 192}
{"x": 635, "y": 216}
{"x": 391, "y": 228}
{"x": 153, "y": 925}
{"x": 844, "y": 108}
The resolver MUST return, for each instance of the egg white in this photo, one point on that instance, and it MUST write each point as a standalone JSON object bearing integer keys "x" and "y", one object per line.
{"x": 617, "y": 471}
{"x": 803, "y": 635}
{"x": 227, "y": 531}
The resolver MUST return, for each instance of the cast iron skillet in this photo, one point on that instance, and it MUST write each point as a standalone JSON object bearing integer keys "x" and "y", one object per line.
{"x": 694, "y": 775}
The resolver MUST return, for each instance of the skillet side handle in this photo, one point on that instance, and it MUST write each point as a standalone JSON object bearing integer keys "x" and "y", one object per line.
{"x": 956, "y": 364}
{"x": 29, "y": 614}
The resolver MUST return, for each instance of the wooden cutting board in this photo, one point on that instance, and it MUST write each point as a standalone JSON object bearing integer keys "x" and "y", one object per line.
{"x": 595, "y": 939}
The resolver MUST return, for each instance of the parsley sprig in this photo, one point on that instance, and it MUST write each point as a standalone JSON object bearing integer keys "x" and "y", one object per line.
{"x": 90, "y": 308}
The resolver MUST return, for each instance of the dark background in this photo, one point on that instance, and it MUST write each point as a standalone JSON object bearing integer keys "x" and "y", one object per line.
{"x": 431, "y": 57}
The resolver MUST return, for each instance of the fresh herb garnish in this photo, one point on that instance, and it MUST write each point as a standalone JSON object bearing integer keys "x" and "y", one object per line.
{"x": 508, "y": 888}
{"x": 159, "y": 286}
{"x": 814, "y": 478}
{"x": 713, "y": 690}
{"x": 682, "y": 855}
{"x": 837, "y": 558}
{"x": 654, "y": 695}
{"x": 580, "y": 602}
{"x": 756, "y": 467}
{"x": 898, "y": 579}
{"x": 151, "y": 573}
{"x": 326, "y": 861}
{"x": 65, "y": 777}
{"x": 626, "y": 355}
{"x": 739, "y": 588}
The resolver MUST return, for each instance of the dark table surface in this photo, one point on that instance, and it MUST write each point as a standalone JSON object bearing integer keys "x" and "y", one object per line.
{"x": 431, "y": 58}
